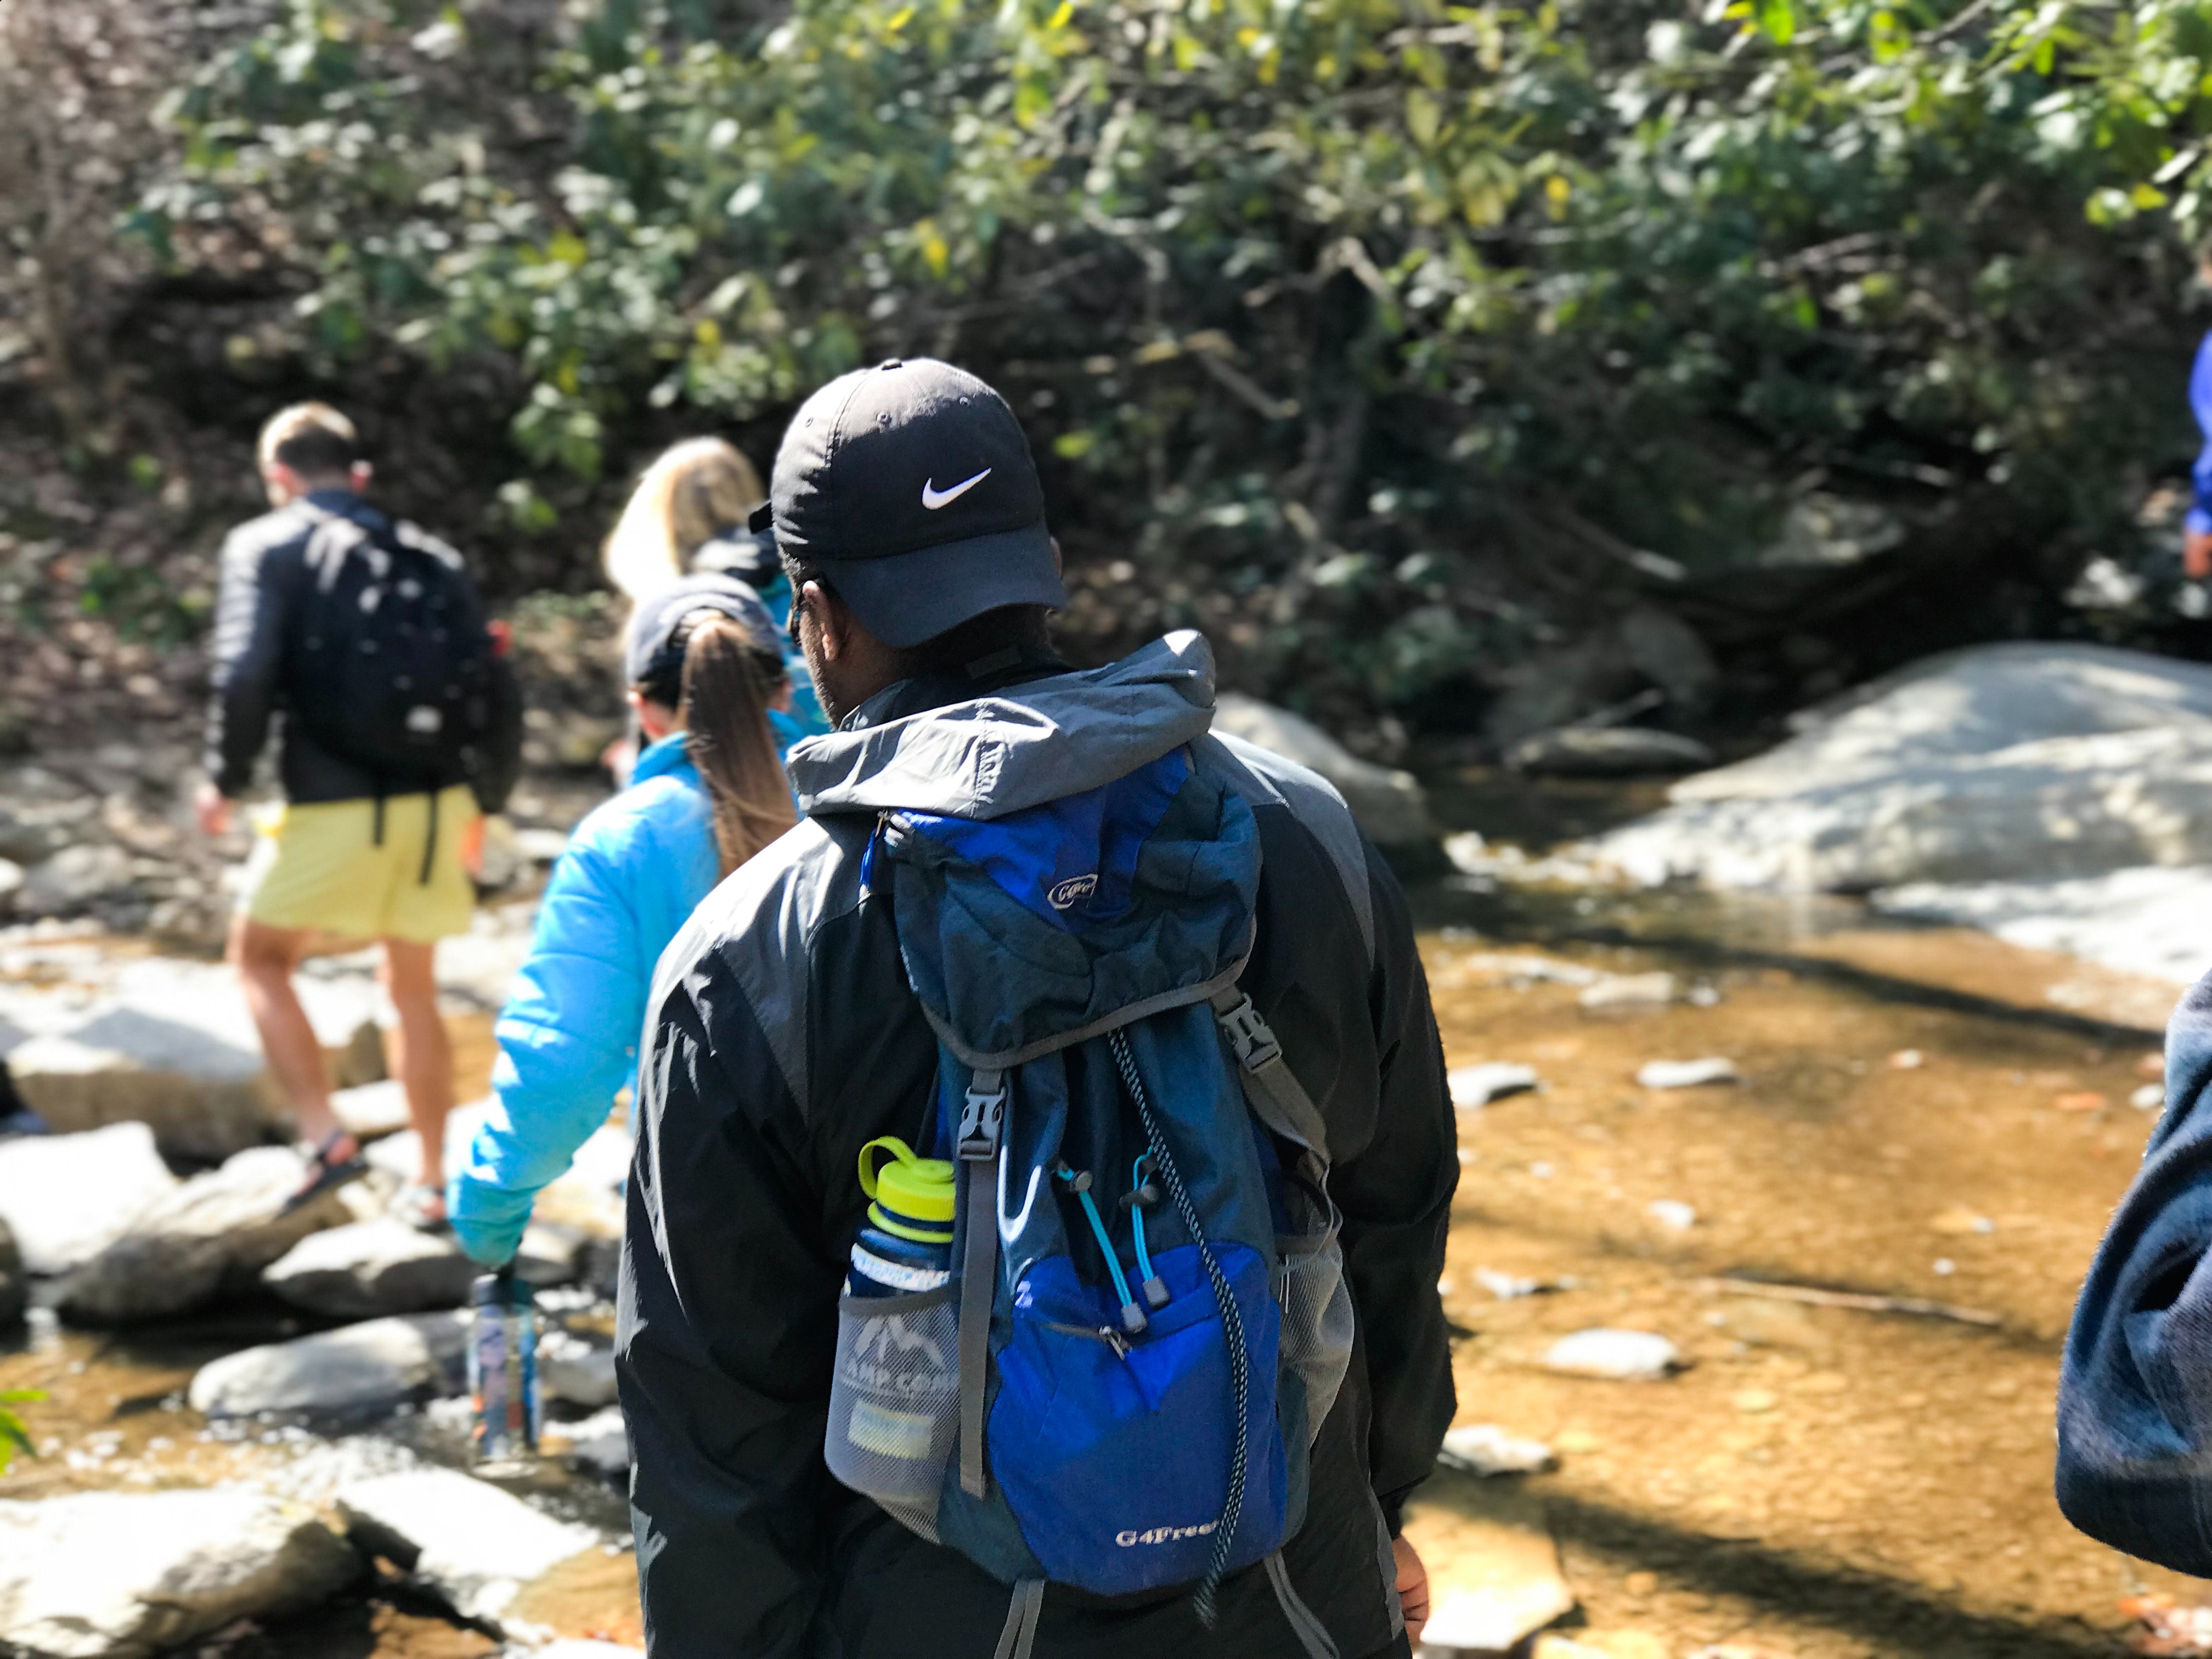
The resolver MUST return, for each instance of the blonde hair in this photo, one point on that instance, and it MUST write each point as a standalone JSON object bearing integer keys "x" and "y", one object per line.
{"x": 726, "y": 734}
{"x": 695, "y": 492}
{"x": 310, "y": 439}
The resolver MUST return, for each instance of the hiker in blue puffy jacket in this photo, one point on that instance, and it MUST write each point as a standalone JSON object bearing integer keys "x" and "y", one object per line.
{"x": 713, "y": 700}
{"x": 2196, "y": 541}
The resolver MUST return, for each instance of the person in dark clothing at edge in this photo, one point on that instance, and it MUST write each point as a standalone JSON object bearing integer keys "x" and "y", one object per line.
{"x": 365, "y": 846}
{"x": 2135, "y": 1386}
{"x": 782, "y": 1036}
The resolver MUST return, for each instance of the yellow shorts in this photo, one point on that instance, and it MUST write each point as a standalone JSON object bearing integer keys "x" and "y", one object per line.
{"x": 318, "y": 866}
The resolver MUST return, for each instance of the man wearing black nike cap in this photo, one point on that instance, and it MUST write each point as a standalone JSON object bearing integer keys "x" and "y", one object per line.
{"x": 783, "y": 1038}
{"x": 905, "y": 501}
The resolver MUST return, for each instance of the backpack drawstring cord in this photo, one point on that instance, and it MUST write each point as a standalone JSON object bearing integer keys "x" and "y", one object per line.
{"x": 1232, "y": 1328}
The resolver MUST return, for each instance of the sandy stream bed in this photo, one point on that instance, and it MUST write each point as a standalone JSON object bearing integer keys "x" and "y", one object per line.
{"x": 1820, "y": 1482}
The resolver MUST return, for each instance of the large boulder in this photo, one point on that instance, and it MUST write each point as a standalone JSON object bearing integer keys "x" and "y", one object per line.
{"x": 15, "y": 1283}
{"x": 372, "y": 1267}
{"x": 210, "y": 1237}
{"x": 124, "y": 1576}
{"x": 357, "y": 1371}
{"x": 170, "y": 1043}
{"x": 1998, "y": 763}
{"x": 1390, "y": 805}
{"x": 66, "y": 1198}
{"x": 474, "y": 1544}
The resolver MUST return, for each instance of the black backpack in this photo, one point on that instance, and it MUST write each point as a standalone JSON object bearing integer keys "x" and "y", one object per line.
{"x": 393, "y": 666}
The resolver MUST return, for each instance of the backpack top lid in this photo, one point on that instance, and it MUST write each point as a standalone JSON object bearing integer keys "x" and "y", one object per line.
{"x": 1026, "y": 933}
{"x": 1061, "y": 865}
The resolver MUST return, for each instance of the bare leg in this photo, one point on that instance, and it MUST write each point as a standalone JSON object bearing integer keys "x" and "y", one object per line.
{"x": 266, "y": 957}
{"x": 423, "y": 1054}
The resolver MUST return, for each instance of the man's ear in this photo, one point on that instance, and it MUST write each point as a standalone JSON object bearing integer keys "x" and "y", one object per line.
{"x": 360, "y": 473}
{"x": 831, "y": 621}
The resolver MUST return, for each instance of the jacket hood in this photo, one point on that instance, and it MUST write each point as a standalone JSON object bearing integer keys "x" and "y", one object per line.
{"x": 1038, "y": 741}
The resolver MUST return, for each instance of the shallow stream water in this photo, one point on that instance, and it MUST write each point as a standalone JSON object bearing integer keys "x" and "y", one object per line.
{"x": 1922, "y": 1114}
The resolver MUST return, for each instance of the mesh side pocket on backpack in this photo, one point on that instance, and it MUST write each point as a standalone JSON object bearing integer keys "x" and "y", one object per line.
{"x": 895, "y": 1400}
{"x": 1317, "y": 1305}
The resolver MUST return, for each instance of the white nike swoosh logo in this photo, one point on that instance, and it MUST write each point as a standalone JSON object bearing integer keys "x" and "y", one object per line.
{"x": 933, "y": 499}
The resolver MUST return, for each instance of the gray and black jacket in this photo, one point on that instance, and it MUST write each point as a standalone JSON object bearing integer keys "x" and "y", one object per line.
{"x": 781, "y": 1036}
{"x": 259, "y": 602}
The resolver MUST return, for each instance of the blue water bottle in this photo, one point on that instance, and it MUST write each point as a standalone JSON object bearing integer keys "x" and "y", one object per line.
{"x": 906, "y": 1245}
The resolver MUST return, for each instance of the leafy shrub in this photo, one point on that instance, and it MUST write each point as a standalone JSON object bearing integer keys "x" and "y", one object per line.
{"x": 1386, "y": 340}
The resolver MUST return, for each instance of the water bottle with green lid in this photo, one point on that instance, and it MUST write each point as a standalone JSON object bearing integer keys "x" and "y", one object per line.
{"x": 906, "y": 1245}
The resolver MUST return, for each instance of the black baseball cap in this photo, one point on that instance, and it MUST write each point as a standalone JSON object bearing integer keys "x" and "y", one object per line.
{"x": 910, "y": 487}
{"x": 653, "y": 643}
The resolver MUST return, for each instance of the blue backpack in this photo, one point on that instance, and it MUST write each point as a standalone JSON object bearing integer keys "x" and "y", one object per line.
{"x": 1148, "y": 1320}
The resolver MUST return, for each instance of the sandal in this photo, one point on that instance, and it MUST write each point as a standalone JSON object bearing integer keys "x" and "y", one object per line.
{"x": 423, "y": 1208}
{"x": 325, "y": 1175}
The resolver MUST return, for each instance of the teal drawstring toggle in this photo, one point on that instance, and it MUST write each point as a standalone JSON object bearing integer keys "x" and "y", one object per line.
{"x": 1079, "y": 1182}
{"x": 1143, "y": 1193}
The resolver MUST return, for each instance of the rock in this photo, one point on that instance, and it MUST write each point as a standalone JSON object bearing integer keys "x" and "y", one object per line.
{"x": 1629, "y": 991}
{"x": 1390, "y": 805}
{"x": 14, "y": 1282}
{"x": 402, "y": 1153}
{"x": 1601, "y": 1645}
{"x": 359, "y": 1370}
{"x": 1907, "y": 1059}
{"x": 67, "y": 1197}
{"x": 1510, "y": 1287}
{"x": 1685, "y": 1073}
{"x": 1672, "y": 1213}
{"x": 2151, "y": 1098}
{"x": 1485, "y": 1449}
{"x": 1476, "y": 1086}
{"x": 372, "y": 1110}
{"x": 576, "y": 1373}
{"x": 372, "y": 1267}
{"x": 579, "y": 1647}
{"x": 11, "y": 883}
{"x": 474, "y": 1544}
{"x": 210, "y": 1237}
{"x": 123, "y": 1575}
{"x": 1516, "y": 971}
{"x": 73, "y": 878}
{"x": 1605, "y": 751}
{"x": 1673, "y": 656}
{"x": 169, "y": 1043}
{"x": 1494, "y": 1574}
{"x": 599, "y": 1442}
{"x": 2150, "y": 921}
{"x": 1617, "y": 1356}
{"x": 1958, "y": 1221}
{"x": 1998, "y": 763}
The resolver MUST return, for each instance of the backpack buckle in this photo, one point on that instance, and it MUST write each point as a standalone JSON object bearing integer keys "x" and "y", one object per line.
{"x": 1249, "y": 1035}
{"x": 982, "y": 1117}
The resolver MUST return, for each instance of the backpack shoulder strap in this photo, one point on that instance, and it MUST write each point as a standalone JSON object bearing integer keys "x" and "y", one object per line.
{"x": 979, "y": 1148}
{"x": 1278, "y": 1099}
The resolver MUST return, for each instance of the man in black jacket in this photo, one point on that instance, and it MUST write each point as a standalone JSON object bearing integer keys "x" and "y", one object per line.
{"x": 783, "y": 1036}
{"x": 362, "y": 848}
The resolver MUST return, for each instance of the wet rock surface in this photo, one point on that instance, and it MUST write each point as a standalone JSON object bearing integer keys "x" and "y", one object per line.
{"x": 475, "y": 1545}
{"x": 67, "y": 1197}
{"x": 370, "y": 1267}
{"x": 164, "y": 1042}
{"x": 1390, "y": 805}
{"x": 359, "y": 1370}
{"x": 15, "y": 1281}
{"x": 2001, "y": 763}
{"x": 124, "y": 1575}
{"x": 210, "y": 1237}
